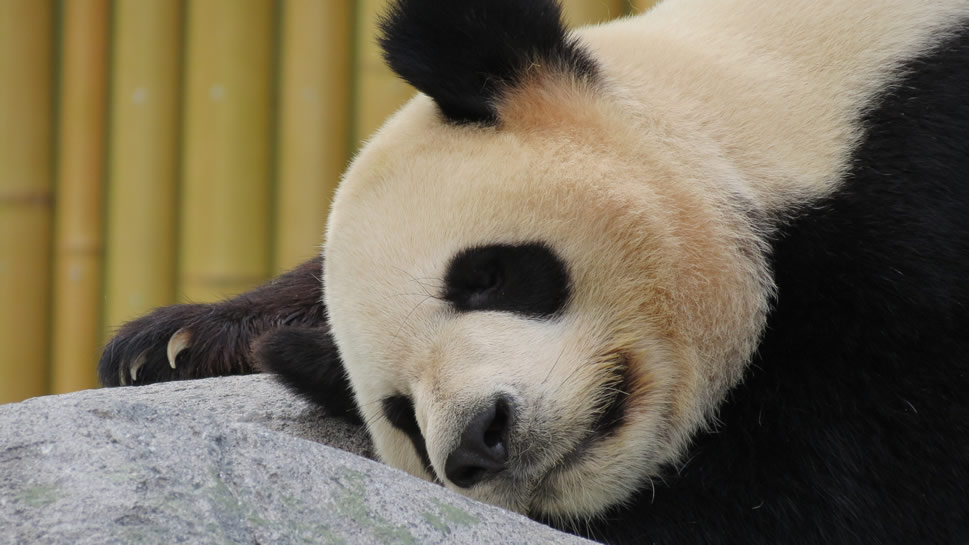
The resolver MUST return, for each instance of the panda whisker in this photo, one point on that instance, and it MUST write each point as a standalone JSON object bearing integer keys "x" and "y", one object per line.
{"x": 360, "y": 433}
{"x": 568, "y": 379}
{"x": 425, "y": 282}
{"x": 547, "y": 375}
{"x": 589, "y": 531}
{"x": 423, "y": 287}
{"x": 370, "y": 403}
{"x": 395, "y": 295}
{"x": 417, "y": 281}
{"x": 367, "y": 423}
{"x": 407, "y": 317}
{"x": 365, "y": 428}
{"x": 682, "y": 466}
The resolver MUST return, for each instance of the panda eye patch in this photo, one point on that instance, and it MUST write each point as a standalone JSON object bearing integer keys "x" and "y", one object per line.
{"x": 399, "y": 411}
{"x": 527, "y": 279}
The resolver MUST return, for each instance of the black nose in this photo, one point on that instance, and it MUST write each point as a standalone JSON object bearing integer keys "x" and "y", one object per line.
{"x": 483, "y": 449}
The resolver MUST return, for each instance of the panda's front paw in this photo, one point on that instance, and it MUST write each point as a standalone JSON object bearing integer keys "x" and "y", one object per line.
{"x": 175, "y": 343}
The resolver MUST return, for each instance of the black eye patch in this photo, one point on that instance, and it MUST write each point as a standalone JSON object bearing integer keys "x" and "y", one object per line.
{"x": 399, "y": 410}
{"x": 527, "y": 279}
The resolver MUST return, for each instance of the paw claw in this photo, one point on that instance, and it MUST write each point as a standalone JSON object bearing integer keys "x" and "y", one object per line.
{"x": 179, "y": 341}
{"x": 135, "y": 366}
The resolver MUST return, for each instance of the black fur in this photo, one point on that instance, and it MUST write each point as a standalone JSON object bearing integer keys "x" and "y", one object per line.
{"x": 464, "y": 53}
{"x": 307, "y": 361}
{"x": 279, "y": 327}
{"x": 527, "y": 279}
{"x": 399, "y": 411}
{"x": 222, "y": 333}
{"x": 852, "y": 425}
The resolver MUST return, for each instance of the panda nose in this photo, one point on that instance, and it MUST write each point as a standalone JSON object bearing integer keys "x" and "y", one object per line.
{"x": 483, "y": 449}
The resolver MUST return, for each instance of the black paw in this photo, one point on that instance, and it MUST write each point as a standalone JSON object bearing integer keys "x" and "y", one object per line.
{"x": 306, "y": 360}
{"x": 175, "y": 343}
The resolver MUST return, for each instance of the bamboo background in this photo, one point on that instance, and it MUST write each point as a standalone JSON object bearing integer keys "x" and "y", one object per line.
{"x": 161, "y": 151}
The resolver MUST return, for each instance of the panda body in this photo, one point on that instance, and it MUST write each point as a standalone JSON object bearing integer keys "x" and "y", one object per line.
{"x": 761, "y": 209}
{"x": 698, "y": 276}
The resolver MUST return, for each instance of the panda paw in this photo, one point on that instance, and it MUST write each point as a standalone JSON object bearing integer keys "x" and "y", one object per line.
{"x": 176, "y": 343}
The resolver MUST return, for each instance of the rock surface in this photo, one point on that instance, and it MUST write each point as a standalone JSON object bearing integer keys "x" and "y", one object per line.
{"x": 226, "y": 460}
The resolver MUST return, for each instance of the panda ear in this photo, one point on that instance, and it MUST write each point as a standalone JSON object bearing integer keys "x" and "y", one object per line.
{"x": 464, "y": 53}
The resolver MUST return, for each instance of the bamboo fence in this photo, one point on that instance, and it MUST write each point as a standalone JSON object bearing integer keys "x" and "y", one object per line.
{"x": 161, "y": 151}
{"x": 583, "y": 12}
{"x": 314, "y": 136}
{"x": 227, "y": 148}
{"x": 26, "y": 150}
{"x": 77, "y": 211}
{"x": 143, "y": 159}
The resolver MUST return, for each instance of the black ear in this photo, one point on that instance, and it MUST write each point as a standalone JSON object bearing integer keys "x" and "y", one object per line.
{"x": 306, "y": 360}
{"x": 464, "y": 53}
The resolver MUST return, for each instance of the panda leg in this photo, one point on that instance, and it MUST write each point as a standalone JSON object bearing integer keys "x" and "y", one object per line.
{"x": 202, "y": 340}
{"x": 306, "y": 361}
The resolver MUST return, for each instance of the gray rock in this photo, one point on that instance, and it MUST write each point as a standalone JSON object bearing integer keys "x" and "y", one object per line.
{"x": 228, "y": 460}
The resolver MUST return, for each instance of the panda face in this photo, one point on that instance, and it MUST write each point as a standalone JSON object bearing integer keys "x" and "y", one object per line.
{"x": 538, "y": 314}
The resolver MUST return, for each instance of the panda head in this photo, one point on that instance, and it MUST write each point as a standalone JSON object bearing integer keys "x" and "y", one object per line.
{"x": 538, "y": 290}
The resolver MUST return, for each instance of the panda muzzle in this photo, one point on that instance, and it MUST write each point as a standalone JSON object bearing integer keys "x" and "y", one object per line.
{"x": 482, "y": 451}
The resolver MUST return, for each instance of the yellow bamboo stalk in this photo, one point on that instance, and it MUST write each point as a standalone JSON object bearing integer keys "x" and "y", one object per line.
{"x": 313, "y": 125}
{"x": 77, "y": 238}
{"x": 142, "y": 158}
{"x": 585, "y": 12}
{"x": 639, "y": 6}
{"x": 26, "y": 67}
{"x": 379, "y": 92}
{"x": 224, "y": 228}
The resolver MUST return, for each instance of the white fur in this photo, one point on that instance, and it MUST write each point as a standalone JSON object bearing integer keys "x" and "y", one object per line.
{"x": 653, "y": 187}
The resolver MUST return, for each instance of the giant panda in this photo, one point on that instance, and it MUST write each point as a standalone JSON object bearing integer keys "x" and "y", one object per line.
{"x": 698, "y": 276}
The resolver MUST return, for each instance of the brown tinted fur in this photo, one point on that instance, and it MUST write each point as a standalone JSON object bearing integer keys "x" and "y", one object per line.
{"x": 221, "y": 333}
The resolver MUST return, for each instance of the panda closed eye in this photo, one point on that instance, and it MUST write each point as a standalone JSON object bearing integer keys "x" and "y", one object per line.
{"x": 527, "y": 279}
{"x": 399, "y": 411}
